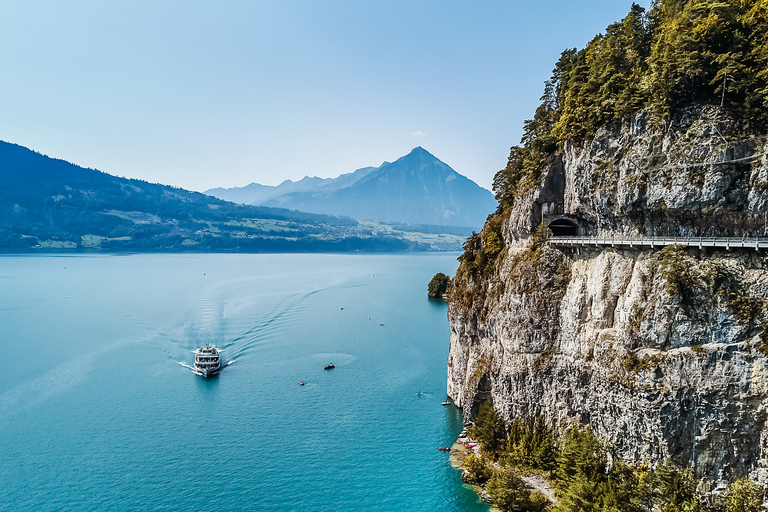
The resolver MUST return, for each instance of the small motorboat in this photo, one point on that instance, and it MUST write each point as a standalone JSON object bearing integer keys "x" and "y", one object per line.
{"x": 446, "y": 403}
{"x": 419, "y": 393}
{"x": 301, "y": 383}
{"x": 329, "y": 366}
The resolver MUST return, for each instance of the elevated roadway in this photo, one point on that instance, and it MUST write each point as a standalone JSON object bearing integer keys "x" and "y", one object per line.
{"x": 756, "y": 243}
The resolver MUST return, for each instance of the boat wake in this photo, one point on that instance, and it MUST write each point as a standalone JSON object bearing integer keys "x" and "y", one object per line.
{"x": 185, "y": 365}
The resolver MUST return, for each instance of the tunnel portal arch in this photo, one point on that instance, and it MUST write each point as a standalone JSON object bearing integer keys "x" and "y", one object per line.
{"x": 563, "y": 227}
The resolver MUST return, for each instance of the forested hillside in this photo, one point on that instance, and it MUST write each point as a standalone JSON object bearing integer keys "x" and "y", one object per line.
{"x": 53, "y": 204}
{"x": 680, "y": 54}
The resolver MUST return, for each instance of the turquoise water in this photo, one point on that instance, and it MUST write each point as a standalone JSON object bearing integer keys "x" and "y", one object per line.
{"x": 96, "y": 414}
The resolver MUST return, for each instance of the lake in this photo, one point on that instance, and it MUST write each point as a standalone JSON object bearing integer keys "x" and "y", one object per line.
{"x": 96, "y": 414}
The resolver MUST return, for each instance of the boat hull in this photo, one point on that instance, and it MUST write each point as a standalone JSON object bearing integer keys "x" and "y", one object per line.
{"x": 207, "y": 372}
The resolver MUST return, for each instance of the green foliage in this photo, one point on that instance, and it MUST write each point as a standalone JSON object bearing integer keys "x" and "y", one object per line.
{"x": 489, "y": 430}
{"x": 481, "y": 250}
{"x": 526, "y": 161}
{"x": 582, "y": 456}
{"x": 509, "y": 492}
{"x": 632, "y": 363}
{"x": 681, "y": 53}
{"x": 578, "y": 461}
{"x": 480, "y": 469}
{"x": 539, "y": 237}
{"x": 702, "y": 45}
{"x": 677, "y": 271}
{"x": 584, "y": 484}
{"x": 438, "y": 286}
{"x": 602, "y": 83}
{"x": 538, "y": 501}
{"x": 743, "y": 495}
{"x": 531, "y": 444}
{"x": 744, "y": 308}
{"x": 534, "y": 271}
{"x": 676, "y": 489}
{"x": 46, "y": 202}
{"x": 696, "y": 282}
{"x": 762, "y": 347}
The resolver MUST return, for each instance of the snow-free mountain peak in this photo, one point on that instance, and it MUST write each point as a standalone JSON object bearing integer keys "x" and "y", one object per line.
{"x": 417, "y": 188}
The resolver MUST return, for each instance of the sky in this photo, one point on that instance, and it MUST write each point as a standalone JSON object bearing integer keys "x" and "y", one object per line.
{"x": 204, "y": 94}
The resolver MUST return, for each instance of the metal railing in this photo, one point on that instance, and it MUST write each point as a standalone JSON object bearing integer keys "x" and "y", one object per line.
{"x": 727, "y": 243}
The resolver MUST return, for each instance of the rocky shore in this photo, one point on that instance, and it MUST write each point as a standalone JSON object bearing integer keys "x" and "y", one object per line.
{"x": 464, "y": 446}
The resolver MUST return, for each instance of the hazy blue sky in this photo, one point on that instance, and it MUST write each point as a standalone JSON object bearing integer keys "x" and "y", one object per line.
{"x": 201, "y": 94}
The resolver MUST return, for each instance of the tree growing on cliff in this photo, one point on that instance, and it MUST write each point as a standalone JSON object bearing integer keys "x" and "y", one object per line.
{"x": 509, "y": 491}
{"x": 439, "y": 286}
{"x": 489, "y": 430}
{"x": 480, "y": 469}
{"x": 583, "y": 478}
{"x": 581, "y": 468}
{"x": 743, "y": 495}
{"x": 679, "y": 54}
{"x": 676, "y": 489}
{"x": 531, "y": 443}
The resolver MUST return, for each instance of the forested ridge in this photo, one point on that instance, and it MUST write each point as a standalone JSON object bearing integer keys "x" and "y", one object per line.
{"x": 677, "y": 55}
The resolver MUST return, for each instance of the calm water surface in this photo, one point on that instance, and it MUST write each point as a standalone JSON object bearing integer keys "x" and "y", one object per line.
{"x": 96, "y": 414}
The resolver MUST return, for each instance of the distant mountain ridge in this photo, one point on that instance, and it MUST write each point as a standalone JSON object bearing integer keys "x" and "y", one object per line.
{"x": 46, "y": 203}
{"x": 417, "y": 188}
{"x": 256, "y": 194}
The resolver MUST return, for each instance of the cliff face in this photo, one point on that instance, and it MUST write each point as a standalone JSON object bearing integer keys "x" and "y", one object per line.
{"x": 661, "y": 352}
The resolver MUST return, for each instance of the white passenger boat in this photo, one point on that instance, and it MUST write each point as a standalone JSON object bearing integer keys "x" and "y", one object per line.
{"x": 207, "y": 361}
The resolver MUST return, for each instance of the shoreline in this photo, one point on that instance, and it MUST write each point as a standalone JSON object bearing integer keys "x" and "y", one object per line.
{"x": 464, "y": 445}
{"x": 460, "y": 449}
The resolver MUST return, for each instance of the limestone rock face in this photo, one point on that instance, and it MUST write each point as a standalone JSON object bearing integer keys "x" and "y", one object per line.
{"x": 661, "y": 353}
{"x": 684, "y": 179}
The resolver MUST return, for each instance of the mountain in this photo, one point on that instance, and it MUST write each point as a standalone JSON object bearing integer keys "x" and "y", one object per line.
{"x": 417, "y": 189}
{"x": 257, "y": 194}
{"x": 47, "y": 203}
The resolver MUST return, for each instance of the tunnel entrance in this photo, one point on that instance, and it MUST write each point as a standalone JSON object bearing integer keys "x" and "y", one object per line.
{"x": 563, "y": 227}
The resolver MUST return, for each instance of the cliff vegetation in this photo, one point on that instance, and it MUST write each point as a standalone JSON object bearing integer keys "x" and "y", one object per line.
{"x": 680, "y": 54}
{"x": 654, "y": 361}
{"x": 585, "y": 478}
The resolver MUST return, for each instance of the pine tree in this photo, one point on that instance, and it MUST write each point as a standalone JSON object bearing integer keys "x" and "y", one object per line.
{"x": 581, "y": 468}
{"x": 543, "y": 456}
{"x": 489, "y": 430}
{"x": 676, "y": 489}
{"x": 680, "y": 53}
{"x": 508, "y": 491}
{"x": 743, "y": 495}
